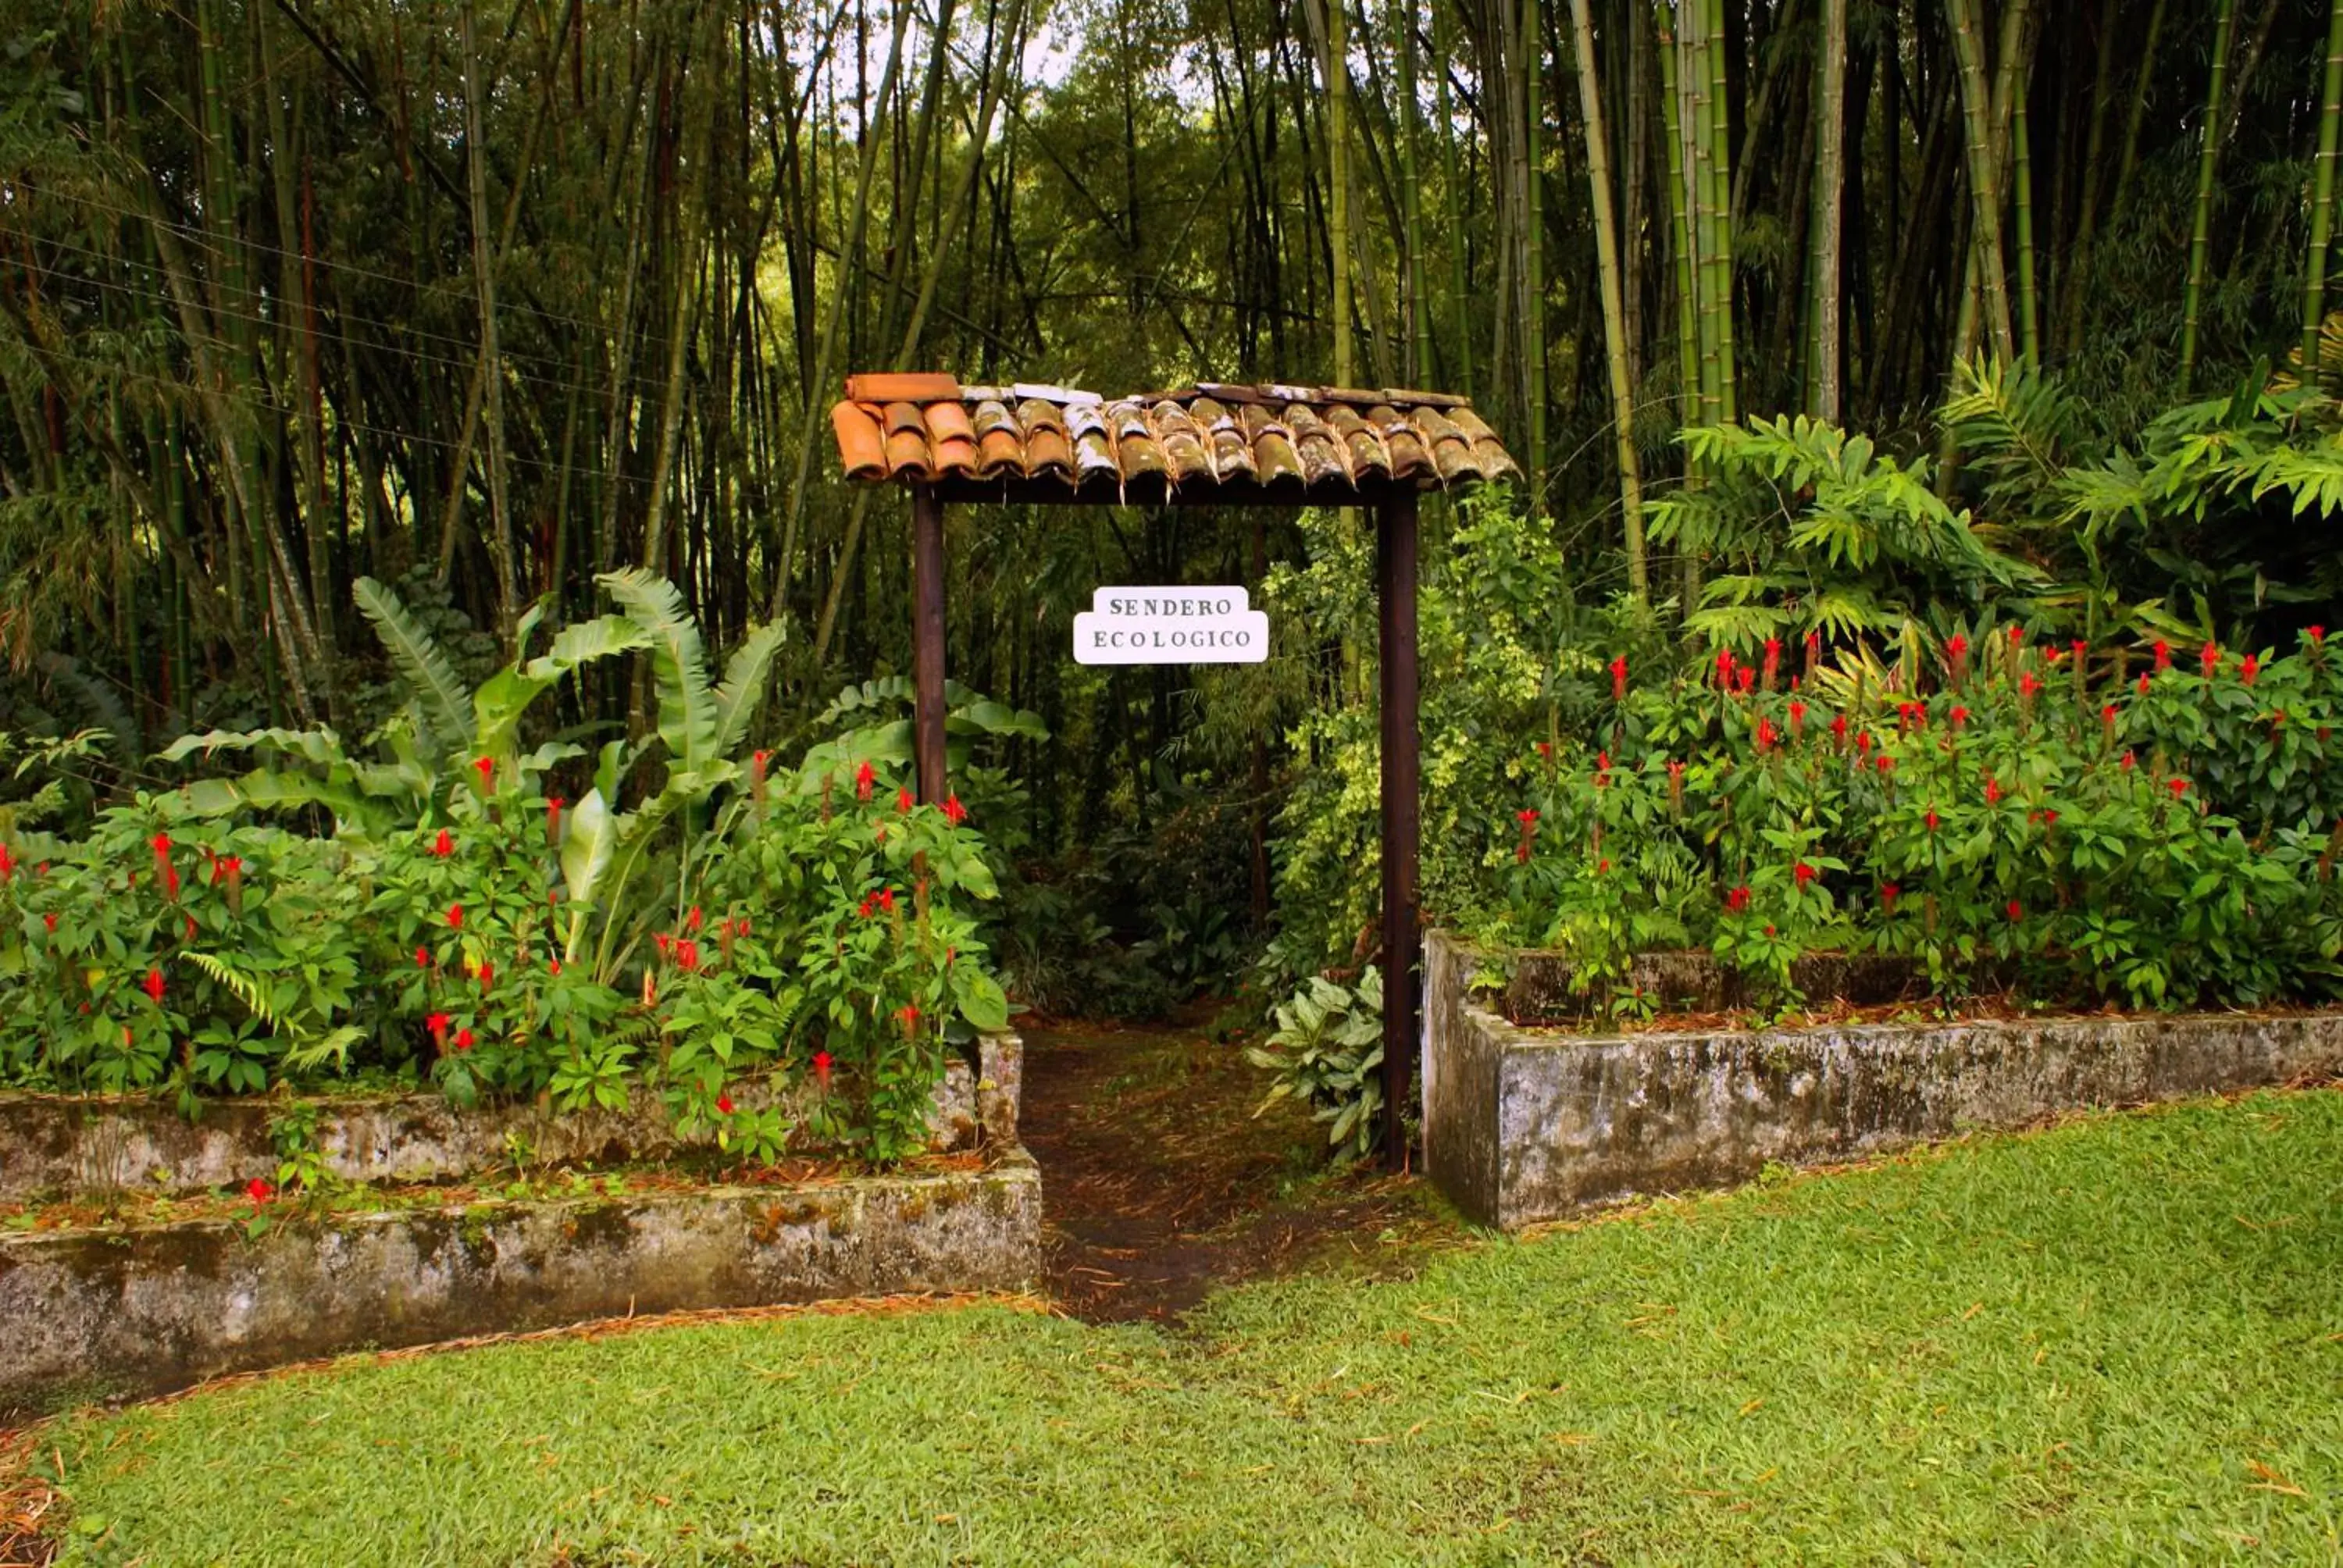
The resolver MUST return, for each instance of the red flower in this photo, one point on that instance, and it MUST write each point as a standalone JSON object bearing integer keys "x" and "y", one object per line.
{"x": 2029, "y": 684}
{"x": 463, "y": 1040}
{"x": 1992, "y": 790}
{"x": 437, "y": 1024}
{"x": 258, "y": 1191}
{"x": 2016, "y": 911}
{"x": 2209, "y": 656}
{"x": 153, "y": 985}
{"x": 1888, "y": 893}
{"x": 1745, "y": 679}
{"x": 422, "y": 958}
{"x": 686, "y": 956}
{"x": 1725, "y": 669}
{"x": 2129, "y": 762}
{"x": 692, "y": 921}
{"x": 1933, "y": 819}
{"x": 487, "y": 768}
{"x": 886, "y": 899}
{"x": 954, "y": 812}
{"x": 486, "y": 973}
{"x": 868, "y": 905}
{"x": 49, "y": 920}
{"x": 724, "y": 1104}
{"x": 1863, "y": 741}
{"x": 2080, "y": 648}
{"x": 2017, "y": 636}
{"x": 740, "y": 926}
{"x": 1766, "y": 735}
{"x": 1838, "y": 728}
{"x": 1603, "y": 866}
{"x": 1802, "y": 873}
{"x": 1886, "y": 763}
{"x": 553, "y": 819}
{"x": 553, "y": 966}
{"x": 443, "y": 846}
{"x": 226, "y": 866}
{"x": 2318, "y": 636}
{"x": 2178, "y": 787}
{"x": 864, "y": 777}
{"x": 1797, "y": 718}
{"x": 2250, "y": 667}
{"x": 1956, "y": 649}
{"x": 662, "y": 941}
{"x": 1737, "y": 899}
{"x": 821, "y": 1067}
{"x": 1526, "y": 816}
{"x": 903, "y": 799}
{"x": 171, "y": 882}
{"x": 2143, "y": 685}
{"x": 455, "y": 917}
{"x": 2163, "y": 654}
{"x": 1773, "y": 658}
{"x": 1960, "y": 716}
{"x": 1619, "y": 678}
{"x": 908, "y": 1015}
{"x": 1545, "y": 750}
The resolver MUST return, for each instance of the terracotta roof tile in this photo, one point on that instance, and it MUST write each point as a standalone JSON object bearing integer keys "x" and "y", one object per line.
{"x": 1258, "y": 442}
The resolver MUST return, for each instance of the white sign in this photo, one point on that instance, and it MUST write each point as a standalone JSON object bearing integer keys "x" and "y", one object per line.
{"x": 1171, "y": 626}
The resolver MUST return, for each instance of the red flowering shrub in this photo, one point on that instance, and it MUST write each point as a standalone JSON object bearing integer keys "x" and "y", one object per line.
{"x": 2076, "y": 839}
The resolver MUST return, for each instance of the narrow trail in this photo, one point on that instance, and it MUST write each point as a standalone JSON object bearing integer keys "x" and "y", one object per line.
{"x": 1160, "y": 1184}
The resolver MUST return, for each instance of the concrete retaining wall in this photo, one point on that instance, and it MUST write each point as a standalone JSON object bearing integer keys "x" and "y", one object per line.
{"x": 1521, "y": 1125}
{"x": 95, "y": 1314}
{"x": 60, "y": 1144}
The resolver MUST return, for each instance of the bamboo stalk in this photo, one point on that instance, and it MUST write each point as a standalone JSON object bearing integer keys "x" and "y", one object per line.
{"x": 1984, "y": 178}
{"x": 2029, "y": 341}
{"x": 1720, "y": 124}
{"x": 1615, "y": 324}
{"x": 2192, "y": 297}
{"x": 1825, "y": 231}
{"x": 2322, "y": 194}
{"x": 1680, "y": 243}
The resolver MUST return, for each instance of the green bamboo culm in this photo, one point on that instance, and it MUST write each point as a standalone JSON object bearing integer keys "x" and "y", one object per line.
{"x": 1338, "y": 182}
{"x": 2207, "y": 161}
{"x": 1679, "y": 228}
{"x": 1410, "y": 161}
{"x": 1532, "y": 38}
{"x": 1615, "y": 312}
{"x": 2322, "y": 191}
{"x": 1825, "y": 240}
{"x": 1720, "y": 129}
{"x": 2029, "y": 341}
{"x": 1985, "y": 250}
{"x": 1460, "y": 329}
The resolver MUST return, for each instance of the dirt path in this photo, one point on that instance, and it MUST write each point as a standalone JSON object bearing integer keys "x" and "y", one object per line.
{"x": 1158, "y": 1184}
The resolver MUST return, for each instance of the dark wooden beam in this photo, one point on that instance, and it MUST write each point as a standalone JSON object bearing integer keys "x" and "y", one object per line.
{"x": 1151, "y": 492}
{"x": 1395, "y": 542}
{"x": 928, "y": 640}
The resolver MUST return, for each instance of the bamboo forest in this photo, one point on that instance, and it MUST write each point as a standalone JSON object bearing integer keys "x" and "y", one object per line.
{"x": 1013, "y": 729}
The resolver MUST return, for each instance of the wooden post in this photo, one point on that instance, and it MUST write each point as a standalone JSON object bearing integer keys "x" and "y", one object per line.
{"x": 928, "y": 640}
{"x": 1395, "y": 539}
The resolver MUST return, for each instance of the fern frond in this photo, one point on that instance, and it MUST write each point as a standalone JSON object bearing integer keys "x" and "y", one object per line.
{"x": 238, "y": 984}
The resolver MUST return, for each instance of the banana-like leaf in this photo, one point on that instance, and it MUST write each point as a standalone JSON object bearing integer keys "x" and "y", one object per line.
{"x": 744, "y": 685}
{"x": 320, "y": 745}
{"x": 264, "y": 789}
{"x": 438, "y": 693}
{"x": 686, "y": 707}
{"x": 586, "y": 846}
{"x": 584, "y": 641}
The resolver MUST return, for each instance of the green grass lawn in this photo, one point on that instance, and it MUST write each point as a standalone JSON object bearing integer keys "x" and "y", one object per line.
{"x": 2117, "y": 1341}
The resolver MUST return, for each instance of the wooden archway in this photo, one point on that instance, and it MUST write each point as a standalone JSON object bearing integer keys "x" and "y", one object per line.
{"x": 1208, "y": 445}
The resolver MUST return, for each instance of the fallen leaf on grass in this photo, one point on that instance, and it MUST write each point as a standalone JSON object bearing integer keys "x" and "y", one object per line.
{"x": 1569, "y": 1439}
{"x": 2271, "y": 1481}
{"x": 1975, "y": 1308}
{"x": 1752, "y": 1406}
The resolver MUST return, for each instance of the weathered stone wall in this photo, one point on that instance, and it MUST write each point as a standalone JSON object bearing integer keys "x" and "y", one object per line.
{"x": 1522, "y": 1124}
{"x": 59, "y": 1144}
{"x": 91, "y": 1314}
{"x": 1537, "y": 984}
